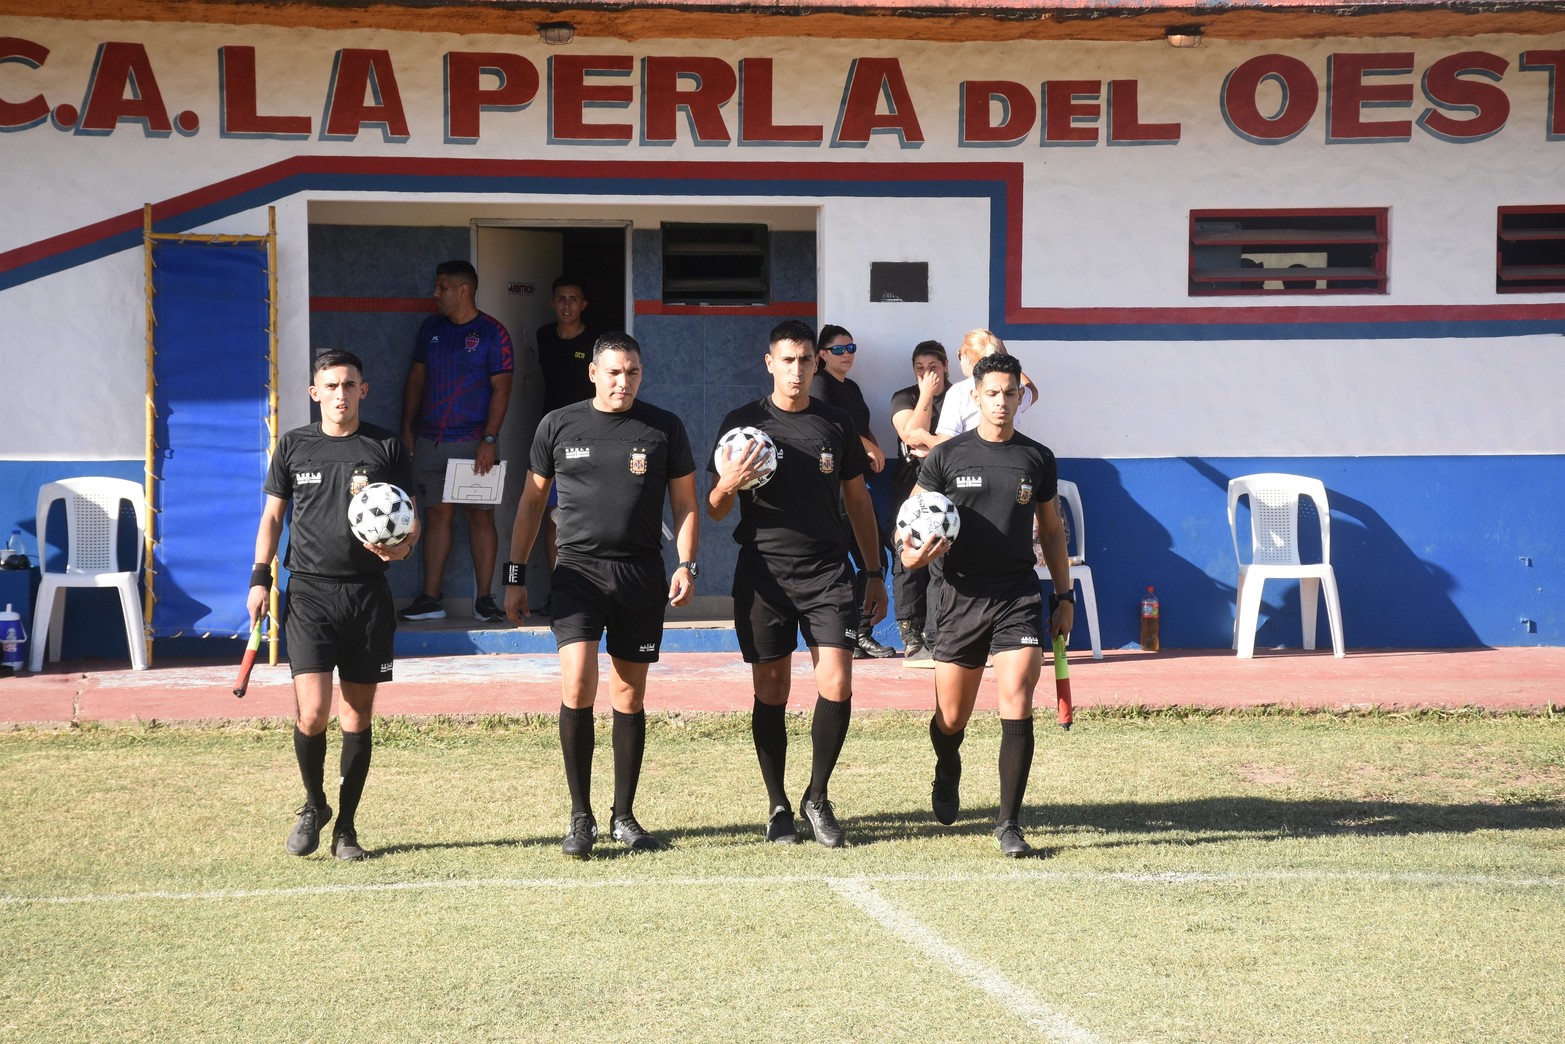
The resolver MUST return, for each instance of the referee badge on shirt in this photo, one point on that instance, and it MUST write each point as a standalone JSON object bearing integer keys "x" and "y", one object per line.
{"x": 638, "y": 461}
{"x": 1024, "y": 492}
{"x": 828, "y": 460}
{"x": 361, "y": 479}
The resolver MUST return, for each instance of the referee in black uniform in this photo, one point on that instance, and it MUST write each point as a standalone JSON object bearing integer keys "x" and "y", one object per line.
{"x": 612, "y": 457}
{"x": 793, "y": 574}
{"x": 338, "y": 612}
{"x": 999, "y": 480}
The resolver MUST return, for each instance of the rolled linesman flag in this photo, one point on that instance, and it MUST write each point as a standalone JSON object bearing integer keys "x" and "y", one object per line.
{"x": 1062, "y": 683}
{"x": 249, "y": 661}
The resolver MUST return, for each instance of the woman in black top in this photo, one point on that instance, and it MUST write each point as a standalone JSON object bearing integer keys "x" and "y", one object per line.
{"x": 834, "y": 352}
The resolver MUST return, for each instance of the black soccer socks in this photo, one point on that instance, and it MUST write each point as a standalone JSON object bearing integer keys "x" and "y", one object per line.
{"x": 576, "y": 742}
{"x": 630, "y": 743}
{"x": 770, "y": 733}
{"x": 948, "y": 749}
{"x": 1015, "y": 763}
{"x": 828, "y": 731}
{"x": 356, "y": 750}
{"x": 310, "y": 751}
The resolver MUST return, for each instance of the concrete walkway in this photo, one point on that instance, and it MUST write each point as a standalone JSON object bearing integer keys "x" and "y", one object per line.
{"x": 1517, "y": 679}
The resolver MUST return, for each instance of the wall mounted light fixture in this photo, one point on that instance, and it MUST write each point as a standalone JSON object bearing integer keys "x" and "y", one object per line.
{"x": 556, "y": 34}
{"x": 1183, "y": 36}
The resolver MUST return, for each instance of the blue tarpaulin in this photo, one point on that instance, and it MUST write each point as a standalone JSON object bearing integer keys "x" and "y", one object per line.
{"x": 210, "y": 366}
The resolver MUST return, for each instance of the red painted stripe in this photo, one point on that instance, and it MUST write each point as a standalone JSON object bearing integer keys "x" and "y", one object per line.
{"x": 1289, "y": 314}
{"x": 789, "y": 308}
{"x": 372, "y": 304}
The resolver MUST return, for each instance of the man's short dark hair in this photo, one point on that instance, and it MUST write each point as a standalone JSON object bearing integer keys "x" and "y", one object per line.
{"x": 463, "y": 271}
{"x": 794, "y": 331}
{"x": 934, "y": 348}
{"x": 615, "y": 341}
{"x": 334, "y": 357}
{"x": 997, "y": 363}
{"x": 567, "y": 280}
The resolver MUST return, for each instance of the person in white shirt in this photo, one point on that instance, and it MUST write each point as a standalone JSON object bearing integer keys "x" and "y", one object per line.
{"x": 960, "y": 410}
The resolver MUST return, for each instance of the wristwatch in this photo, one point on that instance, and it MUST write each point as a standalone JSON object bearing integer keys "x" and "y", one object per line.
{"x": 488, "y": 440}
{"x": 692, "y": 568}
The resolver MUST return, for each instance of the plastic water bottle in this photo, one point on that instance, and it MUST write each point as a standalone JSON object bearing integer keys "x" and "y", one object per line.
{"x": 14, "y": 556}
{"x": 1149, "y": 622}
{"x": 13, "y": 639}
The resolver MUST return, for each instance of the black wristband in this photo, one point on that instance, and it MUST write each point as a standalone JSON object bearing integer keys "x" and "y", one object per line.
{"x": 873, "y": 574}
{"x": 261, "y": 575}
{"x": 514, "y": 575}
{"x": 1056, "y": 599}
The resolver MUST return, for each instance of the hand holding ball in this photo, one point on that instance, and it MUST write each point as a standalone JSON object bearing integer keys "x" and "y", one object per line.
{"x": 381, "y": 514}
{"x": 926, "y": 517}
{"x": 737, "y": 442}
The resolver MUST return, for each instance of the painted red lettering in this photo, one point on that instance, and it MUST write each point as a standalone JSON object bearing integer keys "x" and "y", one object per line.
{"x": 1067, "y": 106}
{"x": 1447, "y": 86}
{"x": 1125, "y": 126}
{"x": 23, "y": 114}
{"x": 467, "y": 99}
{"x": 756, "y": 110}
{"x": 872, "y": 81}
{"x": 1018, "y": 113}
{"x": 713, "y": 84}
{"x": 122, "y": 67}
{"x": 570, "y": 95}
{"x": 364, "y": 91}
{"x": 1300, "y": 97}
{"x": 237, "y": 107}
{"x": 1551, "y": 62}
{"x": 1349, "y": 94}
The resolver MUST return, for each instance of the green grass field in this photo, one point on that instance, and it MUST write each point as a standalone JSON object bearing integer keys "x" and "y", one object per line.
{"x": 1224, "y": 878}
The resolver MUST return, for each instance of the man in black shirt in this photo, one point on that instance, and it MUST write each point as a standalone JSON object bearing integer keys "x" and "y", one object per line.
{"x": 1000, "y": 480}
{"x": 339, "y": 612}
{"x": 913, "y": 413}
{"x": 564, "y": 355}
{"x": 612, "y": 458}
{"x": 793, "y": 575}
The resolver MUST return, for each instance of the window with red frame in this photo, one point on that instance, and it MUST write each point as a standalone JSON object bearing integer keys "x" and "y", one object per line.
{"x": 1300, "y": 252}
{"x": 1530, "y": 252}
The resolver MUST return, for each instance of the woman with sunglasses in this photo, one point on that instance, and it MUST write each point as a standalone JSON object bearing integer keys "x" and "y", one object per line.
{"x": 834, "y": 353}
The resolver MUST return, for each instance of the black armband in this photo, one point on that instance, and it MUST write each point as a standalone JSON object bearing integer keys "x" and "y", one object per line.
{"x": 261, "y": 575}
{"x": 514, "y": 575}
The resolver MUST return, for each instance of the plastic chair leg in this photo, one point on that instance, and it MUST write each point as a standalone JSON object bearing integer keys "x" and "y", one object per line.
{"x": 1248, "y": 617}
{"x": 43, "y": 628}
{"x": 135, "y": 634}
{"x": 1334, "y": 614}
{"x": 1309, "y": 602}
{"x": 1238, "y": 601}
{"x": 1089, "y": 598}
{"x": 57, "y": 624}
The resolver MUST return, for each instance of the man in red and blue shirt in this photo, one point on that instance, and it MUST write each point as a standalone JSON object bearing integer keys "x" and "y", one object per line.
{"x": 456, "y": 394}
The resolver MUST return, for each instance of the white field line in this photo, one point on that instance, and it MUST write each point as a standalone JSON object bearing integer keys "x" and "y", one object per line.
{"x": 1055, "y": 1026}
{"x": 1169, "y": 878}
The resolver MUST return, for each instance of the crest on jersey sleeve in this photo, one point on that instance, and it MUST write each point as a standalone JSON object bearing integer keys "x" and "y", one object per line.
{"x": 1024, "y": 492}
{"x": 638, "y": 461}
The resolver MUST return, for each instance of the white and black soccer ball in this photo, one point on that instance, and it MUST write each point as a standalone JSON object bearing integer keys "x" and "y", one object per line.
{"x": 927, "y": 516}
{"x": 381, "y": 514}
{"x": 736, "y": 443}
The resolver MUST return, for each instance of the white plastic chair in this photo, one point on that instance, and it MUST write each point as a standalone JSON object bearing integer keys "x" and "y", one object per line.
{"x": 1274, "y": 554}
{"x": 1081, "y": 573}
{"x": 92, "y": 516}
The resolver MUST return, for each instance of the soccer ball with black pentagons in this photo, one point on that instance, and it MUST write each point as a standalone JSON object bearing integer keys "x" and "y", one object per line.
{"x": 381, "y": 514}
{"x": 927, "y": 516}
{"x": 736, "y": 443}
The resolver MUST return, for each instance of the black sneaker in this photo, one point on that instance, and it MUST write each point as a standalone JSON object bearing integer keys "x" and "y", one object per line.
{"x": 870, "y": 649}
{"x": 780, "y": 829}
{"x": 581, "y": 835}
{"x": 1008, "y": 836}
{"x": 423, "y": 608}
{"x": 627, "y": 831}
{"x": 484, "y": 610}
{"x": 822, "y": 820}
{"x": 306, "y": 834}
{"x": 945, "y": 797}
{"x": 345, "y": 845}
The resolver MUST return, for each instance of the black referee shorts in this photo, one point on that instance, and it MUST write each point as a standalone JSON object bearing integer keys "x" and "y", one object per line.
{"x": 777, "y": 598}
{"x": 626, "y": 597}
{"x": 349, "y": 626}
{"x": 974, "y": 617}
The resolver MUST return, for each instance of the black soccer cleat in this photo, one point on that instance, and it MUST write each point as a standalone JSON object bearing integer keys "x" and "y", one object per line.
{"x": 627, "y": 831}
{"x": 305, "y": 837}
{"x": 1008, "y": 835}
{"x": 579, "y": 838}
{"x": 945, "y": 799}
{"x": 345, "y": 845}
{"x": 822, "y": 820}
{"x": 869, "y": 649}
{"x": 780, "y": 828}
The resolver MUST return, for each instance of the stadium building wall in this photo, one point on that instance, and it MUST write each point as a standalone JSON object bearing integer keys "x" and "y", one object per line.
{"x": 1430, "y": 410}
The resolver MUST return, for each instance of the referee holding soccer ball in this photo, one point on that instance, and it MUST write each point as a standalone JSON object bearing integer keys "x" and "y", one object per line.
{"x": 1000, "y": 480}
{"x": 793, "y": 574}
{"x": 338, "y": 614}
